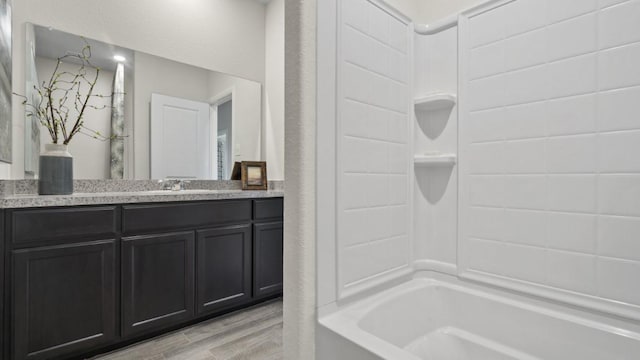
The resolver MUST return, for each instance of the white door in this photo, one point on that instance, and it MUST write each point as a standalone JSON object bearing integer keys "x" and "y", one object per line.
{"x": 181, "y": 138}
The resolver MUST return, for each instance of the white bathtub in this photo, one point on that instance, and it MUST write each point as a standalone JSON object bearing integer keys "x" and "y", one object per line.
{"x": 444, "y": 318}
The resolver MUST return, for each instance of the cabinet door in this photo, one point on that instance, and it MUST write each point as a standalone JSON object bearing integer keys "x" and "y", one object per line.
{"x": 2, "y": 281}
{"x": 64, "y": 299}
{"x": 224, "y": 267}
{"x": 267, "y": 258}
{"x": 157, "y": 281}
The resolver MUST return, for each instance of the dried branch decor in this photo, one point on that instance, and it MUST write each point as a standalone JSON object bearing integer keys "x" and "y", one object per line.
{"x": 61, "y": 105}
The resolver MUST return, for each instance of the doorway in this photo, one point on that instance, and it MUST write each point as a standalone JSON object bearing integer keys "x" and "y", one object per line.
{"x": 224, "y": 138}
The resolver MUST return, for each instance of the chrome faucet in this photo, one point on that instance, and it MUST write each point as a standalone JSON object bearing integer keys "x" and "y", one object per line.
{"x": 173, "y": 184}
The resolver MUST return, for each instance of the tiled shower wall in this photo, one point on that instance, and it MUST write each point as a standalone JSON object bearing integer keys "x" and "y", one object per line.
{"x": 435, "y": 194}
{"x": 373, "y": 145}
{"x": 550, "y": 149}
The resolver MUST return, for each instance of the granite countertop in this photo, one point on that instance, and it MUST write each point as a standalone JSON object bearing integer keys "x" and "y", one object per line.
{"x": 128, "y": 192}
{"x": 24, "y": 201}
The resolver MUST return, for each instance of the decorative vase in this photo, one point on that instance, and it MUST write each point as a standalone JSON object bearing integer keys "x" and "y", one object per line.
{"x": 56, "y": 171}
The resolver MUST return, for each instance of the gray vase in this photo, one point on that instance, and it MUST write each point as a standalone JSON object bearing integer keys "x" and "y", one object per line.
{"x": 56, "y": 171}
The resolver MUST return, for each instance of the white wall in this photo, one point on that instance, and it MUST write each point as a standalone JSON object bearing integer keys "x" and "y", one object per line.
{"x": 373, "y": 152}
{"x": 300, "y": 173}
{"x": 195, "y": 32}
{"x": 549, "y": 177}
{"x": 326, "y": 156}
{"x": 222, "y": 35}
{"x": 91, "y": 157}
{"x": 430, "y": 11}
{"x": 247, "y": 110}
{"x": 410, "y": 8}
{"x": 158, "y": 75}
{"x": 364, "y": 152}
{"x": 436, "y": 189}
{"x": 273, "y": 136}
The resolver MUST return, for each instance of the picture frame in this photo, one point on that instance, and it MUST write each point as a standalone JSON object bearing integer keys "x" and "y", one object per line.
{"x": 254, "y": 175}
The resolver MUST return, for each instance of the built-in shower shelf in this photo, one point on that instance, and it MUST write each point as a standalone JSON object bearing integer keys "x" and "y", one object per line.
{"x": 435, "y": 160}
{"x": 436, "y": 101}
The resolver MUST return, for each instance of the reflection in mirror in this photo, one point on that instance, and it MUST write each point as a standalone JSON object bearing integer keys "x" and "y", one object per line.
{"x": 92, "y": 146}
{"x": 5, "y": 82}
{"x": 175, "y": 120}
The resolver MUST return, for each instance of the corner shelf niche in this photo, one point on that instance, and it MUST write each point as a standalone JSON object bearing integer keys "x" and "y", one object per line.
{"x": 435, "y": 160}
{"x": 434, "y": 102}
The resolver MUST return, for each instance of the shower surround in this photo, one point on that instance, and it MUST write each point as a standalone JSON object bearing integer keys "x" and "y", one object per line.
{"x": 492, "y": 149}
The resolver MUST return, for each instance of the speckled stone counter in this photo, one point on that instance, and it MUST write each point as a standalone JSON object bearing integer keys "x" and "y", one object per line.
{"x": 20, "y": 193}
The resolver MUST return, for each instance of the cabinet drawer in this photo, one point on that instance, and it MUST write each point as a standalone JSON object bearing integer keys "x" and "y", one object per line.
{"x": 159, "y": 217}
{"x": 34, "y": 225}
{"x": 267, "y": 209}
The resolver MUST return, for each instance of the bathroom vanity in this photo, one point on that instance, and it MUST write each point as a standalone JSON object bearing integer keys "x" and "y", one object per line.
{"x": 121, "y": 259}
{"x": 80, "y": 279}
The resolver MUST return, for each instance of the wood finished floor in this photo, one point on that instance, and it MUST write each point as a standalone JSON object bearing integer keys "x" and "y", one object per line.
{"x": 252, "y": 334}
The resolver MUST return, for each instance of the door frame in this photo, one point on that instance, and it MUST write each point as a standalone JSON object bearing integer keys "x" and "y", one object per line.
{"x": 222, "y": 97}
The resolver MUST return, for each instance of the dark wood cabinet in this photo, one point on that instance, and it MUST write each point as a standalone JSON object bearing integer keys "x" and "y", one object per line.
{"x": 3, "y": 292}
{"x": 68, "y": 292}
{"x": 267, "y": 254}
{"x": 143, "y": 219}
{"x": 49, "y": 225}
{"x": 268, "y": 209}
{"x": 223, "y": 267}
{"x": 64, "y": 299}
{"x": 157, "y": 281}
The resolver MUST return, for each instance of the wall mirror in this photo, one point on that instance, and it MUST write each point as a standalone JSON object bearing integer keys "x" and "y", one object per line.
{"x": 5, "y": 81}
{"x": 175, "y": 120}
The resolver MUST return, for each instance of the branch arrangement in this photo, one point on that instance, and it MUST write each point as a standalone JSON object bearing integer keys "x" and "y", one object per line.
{"x": 61, "y": 106}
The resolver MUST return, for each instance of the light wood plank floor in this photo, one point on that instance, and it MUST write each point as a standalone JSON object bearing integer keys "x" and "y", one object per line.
{"x": 252, "y": 334}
